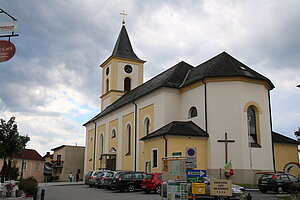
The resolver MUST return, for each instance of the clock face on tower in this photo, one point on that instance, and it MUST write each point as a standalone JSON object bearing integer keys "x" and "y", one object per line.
{"x": 128, "y": 69}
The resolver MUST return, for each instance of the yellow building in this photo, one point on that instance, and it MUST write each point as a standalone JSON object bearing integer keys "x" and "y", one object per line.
{"x": 33, "y": 164}
{"x": 184, "y": 107}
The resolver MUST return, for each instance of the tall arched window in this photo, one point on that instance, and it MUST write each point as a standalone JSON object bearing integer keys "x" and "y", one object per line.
{"x": 101, "y": 144}
{"x": 128, "y": 139}
{"x": 91, "y": 149}
{"x": 193, "y": 112}
{"x": 252, "y": 127}
{"x": 107, "y": 85}
{"x": 147, "y": 126}
{"x": 127, "y": 84}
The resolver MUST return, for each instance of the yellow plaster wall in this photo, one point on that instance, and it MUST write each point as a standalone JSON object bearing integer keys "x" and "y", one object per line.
{"x": 147, "y": 111}
{"x": 149, "y": 145}
{"x": 101, "y": 130}
{"x": 127, "y": 160}
{"x": 285, "y": 153}
{"x": 90, "y": 150}
{"x": 179, "y": 144}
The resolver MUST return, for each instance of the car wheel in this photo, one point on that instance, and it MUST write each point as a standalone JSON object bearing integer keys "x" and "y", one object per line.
{"x": 107, "y": 187}
{"x": 157, "y": 189}
{"x": 279, "y": 190}
{"x": 130, "y": 188}
{"x": 90, "y": 185}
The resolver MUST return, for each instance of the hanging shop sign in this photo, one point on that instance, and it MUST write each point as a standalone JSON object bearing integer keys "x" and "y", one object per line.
{"x": 8, "y": 27}
{"x": 7, "y": 50}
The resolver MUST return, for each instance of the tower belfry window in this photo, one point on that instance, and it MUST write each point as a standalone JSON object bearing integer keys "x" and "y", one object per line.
{"x": 127, "y": 84}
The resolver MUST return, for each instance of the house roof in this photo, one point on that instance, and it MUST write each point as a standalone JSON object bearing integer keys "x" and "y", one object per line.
{"x": 184, "y": 74}
{"x": 28, "y": 154}
{"x": 62, "y": 146}
{"x": 278, "y": 138}
{"x": 178, "y": 128}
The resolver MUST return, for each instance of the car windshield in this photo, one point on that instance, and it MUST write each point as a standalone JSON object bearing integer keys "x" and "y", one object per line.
{"x": 100, "y": 174}
{"x": 267, "y": 176}
{"x": 148, "y": 176}
{"x": 109, "y": 174}
{"x": 117, "y": 175}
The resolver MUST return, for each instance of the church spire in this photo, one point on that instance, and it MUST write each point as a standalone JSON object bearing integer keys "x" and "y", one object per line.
{"x": 123, "y": 46}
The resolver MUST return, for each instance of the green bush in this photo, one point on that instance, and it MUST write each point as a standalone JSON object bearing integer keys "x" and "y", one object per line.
{"x": 28, "y": 185}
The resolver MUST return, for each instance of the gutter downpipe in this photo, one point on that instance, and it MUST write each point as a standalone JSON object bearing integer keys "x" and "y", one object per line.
{"x": 205, "y": 104}
{"x": 271, "y": 126}
{"x": 135, "y": 133}
{"x": 94, "y": 159}
{"x": 166, "y": 145}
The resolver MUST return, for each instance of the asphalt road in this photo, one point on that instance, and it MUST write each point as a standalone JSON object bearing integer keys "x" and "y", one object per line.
{"x": 83, "y": 192}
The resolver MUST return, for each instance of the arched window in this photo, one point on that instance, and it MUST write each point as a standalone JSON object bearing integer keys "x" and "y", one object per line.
{"x": 91, "y": 149}
{"x": 147, "y": 126}
{"x": 128, "y": 139}
{"x": 252, "y": 127}
{"x": 113, "y": 133}
{"x": 101, "y": 144}
{"x": 193, "y": 112}
{"x": 127, "y": 84}
{"x": 107, "y": 85}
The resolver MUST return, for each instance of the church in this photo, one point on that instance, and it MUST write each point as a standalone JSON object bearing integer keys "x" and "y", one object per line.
{"x": 220, "y": 109}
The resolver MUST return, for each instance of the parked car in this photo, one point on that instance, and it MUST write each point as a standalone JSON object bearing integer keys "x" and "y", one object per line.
{"x": 277, "y": 182}
{"x": 152, "y": 182}
{"x": 89, "y": 178}
{"x": 100, "y": 178}
{"x": 107, "y": 178}
{"x": 129, "y": 181}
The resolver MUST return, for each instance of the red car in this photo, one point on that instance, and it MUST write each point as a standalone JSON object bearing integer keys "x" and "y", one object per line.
{"x": 152, "y": 182}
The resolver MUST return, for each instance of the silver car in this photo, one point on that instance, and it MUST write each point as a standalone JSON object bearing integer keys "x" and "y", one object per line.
{"x": 90, "y": 177}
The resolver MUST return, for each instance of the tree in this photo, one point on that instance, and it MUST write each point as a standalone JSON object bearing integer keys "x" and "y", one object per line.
{"x": 10, "y": 143}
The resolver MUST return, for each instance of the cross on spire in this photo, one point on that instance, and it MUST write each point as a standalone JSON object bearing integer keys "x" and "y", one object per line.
{"x": 123, "y": 16}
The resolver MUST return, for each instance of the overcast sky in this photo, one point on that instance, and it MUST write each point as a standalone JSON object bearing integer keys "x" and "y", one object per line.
{"x": 53, "y": 83}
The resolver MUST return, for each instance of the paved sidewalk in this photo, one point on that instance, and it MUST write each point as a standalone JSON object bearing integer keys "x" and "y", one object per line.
{"x": 60, "y": 183}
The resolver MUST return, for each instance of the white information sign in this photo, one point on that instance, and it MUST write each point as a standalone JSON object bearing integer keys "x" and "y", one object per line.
{"x": 8, "y": 27}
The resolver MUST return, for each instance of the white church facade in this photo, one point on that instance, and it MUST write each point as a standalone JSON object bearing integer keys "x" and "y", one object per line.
{"x": 183, "y": 107}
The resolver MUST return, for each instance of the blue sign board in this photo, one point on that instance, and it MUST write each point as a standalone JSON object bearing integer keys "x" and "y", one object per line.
{"x": 195, "y": 173}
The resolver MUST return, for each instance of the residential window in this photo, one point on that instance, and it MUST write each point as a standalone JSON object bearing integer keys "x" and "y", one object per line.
{"x": 58, "y": 157}
{"x": 252, "y": 127}
{"x": 154, "y": 158}
{"x": 193, "y": 112}
{"x": 128, "y": 139}
{"x": 37, "y": 167}
{"x": 24, "y": 165}
{"x": 127, "y": 84}
{"x": 147, "y": 126}
{"x": 113, "y": 133}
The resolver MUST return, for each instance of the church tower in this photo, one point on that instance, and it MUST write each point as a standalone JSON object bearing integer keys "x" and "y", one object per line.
{"x": 121, "y": 72}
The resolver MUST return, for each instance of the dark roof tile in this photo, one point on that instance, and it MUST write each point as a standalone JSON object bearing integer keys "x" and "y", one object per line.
{"x": 28, "y": 154}
{"x": 178, "y": 128}
{"x": 278, "y": 138}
